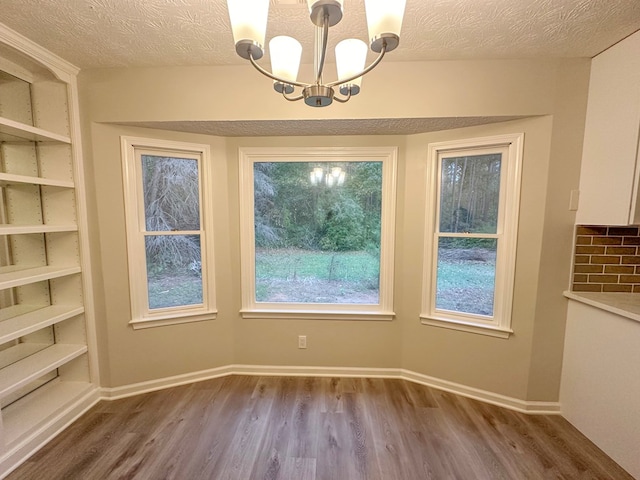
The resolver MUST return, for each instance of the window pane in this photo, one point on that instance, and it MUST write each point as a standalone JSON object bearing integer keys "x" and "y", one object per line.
{"x": 317, "y": 232}
{"x": 469, "y": 193}
{"x": 466, "y": 275}
{"x": 173, "y": 270}
{"x": 171, "y": 194}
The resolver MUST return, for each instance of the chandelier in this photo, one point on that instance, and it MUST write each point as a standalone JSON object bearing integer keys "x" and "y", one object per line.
{"x": 335, "y": 176}
{"x": 249, "y": 23}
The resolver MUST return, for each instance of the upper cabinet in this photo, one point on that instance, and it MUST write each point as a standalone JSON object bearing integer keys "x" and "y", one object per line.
{"x": 610, "y": 169}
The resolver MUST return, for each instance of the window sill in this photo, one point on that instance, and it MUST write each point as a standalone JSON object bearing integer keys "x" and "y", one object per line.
{"x": 490, "y": 330}
{"x": 316, "y": 315}
{"x": 172, "y": 319}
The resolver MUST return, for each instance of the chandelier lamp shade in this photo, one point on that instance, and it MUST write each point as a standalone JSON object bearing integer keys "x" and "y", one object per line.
{"x": 249, "y": 24}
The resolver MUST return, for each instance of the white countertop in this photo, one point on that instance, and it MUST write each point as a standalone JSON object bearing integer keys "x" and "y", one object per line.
{"x": 624, "y": 304}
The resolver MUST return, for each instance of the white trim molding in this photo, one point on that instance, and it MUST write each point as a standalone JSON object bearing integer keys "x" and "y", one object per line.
{"x": 162, "y": 383}
{"x": 498, "y": 322}
{"x": 523, "y": 406}
{"x": 60, "y": 67}
{"x": 251, "y": 308}
{"x": 143, "y": 316}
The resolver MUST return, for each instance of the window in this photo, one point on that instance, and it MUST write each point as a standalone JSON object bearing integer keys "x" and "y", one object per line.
{"x": 472, "y": 220}
{"x": 169, "y": 240}
{"x": 317, "y": 232}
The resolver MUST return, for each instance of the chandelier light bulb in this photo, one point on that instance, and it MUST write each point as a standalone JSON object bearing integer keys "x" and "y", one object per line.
{"x": 351, "y": 56}
{"x": 285, "y": 53}
{"x": 384, "y": 21}
{"x": 316, "y": 175}
{"x": 249, "y": 26}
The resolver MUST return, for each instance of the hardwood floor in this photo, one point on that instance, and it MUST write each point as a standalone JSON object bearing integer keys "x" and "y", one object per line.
{"x": 294, "y": 428}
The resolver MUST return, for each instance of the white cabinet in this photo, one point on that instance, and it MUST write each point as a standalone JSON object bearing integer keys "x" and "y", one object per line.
{"x": 609, "y": 175}
{"x": 48, "y": 372}
{"x": 600, "y": 384}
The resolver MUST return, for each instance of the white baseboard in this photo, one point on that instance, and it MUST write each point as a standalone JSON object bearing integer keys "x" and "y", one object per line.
{"x": 533, "y": 408}
{"x": 511, "y": 403}
{"x": 162, "y": 383}
{"x": 292, "y": 371}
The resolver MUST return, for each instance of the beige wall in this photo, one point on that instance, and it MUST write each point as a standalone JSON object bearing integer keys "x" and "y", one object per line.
{"x": 557, "y": 239}
{"x": 395, "y": 90}
{"x": 479, "y": 361}
{"x": 129, "y": 356}
{"x": 526, "y": 366}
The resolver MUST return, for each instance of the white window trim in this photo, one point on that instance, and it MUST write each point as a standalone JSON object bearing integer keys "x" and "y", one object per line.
{"x": 142, "y": 317}
{"x": 500, "y": 324}
{"x": 263, "y": 310}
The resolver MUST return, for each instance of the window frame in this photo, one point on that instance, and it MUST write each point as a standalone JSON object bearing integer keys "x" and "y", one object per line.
{"x": 141, "y": 315}
{"x": 264, "y": 310}
{"x": 498, "y": 325}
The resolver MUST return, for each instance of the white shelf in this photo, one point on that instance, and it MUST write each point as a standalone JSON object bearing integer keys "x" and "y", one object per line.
{"x": 23, "y": 372}
{"x": 20, "y": 320}
{"x": 18, "y": 352}
{"x": 41, "y": 407}
{"x": 28, "y": 133}
{"x": 23, "y": 229}
{"x": 16, "y": 278}
{"x": 11, "y": 179}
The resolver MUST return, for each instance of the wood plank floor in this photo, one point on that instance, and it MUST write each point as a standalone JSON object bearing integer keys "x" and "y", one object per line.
{"x": 294, "y": 428}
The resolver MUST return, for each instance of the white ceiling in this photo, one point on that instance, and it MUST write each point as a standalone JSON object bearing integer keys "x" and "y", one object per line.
{"x": 115, "y": 33}
{"x": 137, "y": 33}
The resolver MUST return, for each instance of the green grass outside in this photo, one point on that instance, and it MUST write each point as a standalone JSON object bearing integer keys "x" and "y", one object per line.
{"x": 294, "y": 263}
{"x": 174, "y": 290}
{"x": 300, "y": 276}
{"x": 466, "y": 286}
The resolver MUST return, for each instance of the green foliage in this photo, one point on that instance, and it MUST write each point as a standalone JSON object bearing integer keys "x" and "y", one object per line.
{"x": 291, "y": 212}
{"x": 343, "y": 229}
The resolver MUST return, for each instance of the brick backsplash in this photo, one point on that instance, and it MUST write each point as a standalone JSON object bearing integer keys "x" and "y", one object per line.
{"x": 607, "y": 259}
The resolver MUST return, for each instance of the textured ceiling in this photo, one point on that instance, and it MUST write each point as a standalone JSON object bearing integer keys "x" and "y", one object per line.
{"x": 138, "y": 33}
{"x": 114, "y": 33}
{"x": 380, "y": 126}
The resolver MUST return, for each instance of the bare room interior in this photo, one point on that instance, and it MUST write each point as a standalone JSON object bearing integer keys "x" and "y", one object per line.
{"x": 228, "y": 253}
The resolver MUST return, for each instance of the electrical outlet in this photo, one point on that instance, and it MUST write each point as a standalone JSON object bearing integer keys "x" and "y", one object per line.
{"x": 302, "y": 341}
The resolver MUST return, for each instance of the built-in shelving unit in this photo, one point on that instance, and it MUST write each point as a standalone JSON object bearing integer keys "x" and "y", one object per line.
{"x": 48, "y": 372}
{"x": 13, "y": 131}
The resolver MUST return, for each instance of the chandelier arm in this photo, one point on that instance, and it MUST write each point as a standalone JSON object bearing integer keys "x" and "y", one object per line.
{"x": 343, "y": 100}
{"x": 292, "y": 99}
{"x": 325, "y": 39}
{"x": 373, "y": 65}
{"x": 272, "y": 76}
